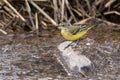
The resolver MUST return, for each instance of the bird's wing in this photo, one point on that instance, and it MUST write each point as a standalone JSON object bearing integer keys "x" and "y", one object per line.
{"x": 74, "y": 29}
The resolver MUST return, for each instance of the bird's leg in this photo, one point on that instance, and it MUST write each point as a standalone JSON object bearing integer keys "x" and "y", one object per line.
{"x": 75, "y": 43}
{"x": 69, "y": 45}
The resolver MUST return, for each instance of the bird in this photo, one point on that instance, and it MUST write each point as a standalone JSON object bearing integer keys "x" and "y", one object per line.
{"x": 74, "y": 33}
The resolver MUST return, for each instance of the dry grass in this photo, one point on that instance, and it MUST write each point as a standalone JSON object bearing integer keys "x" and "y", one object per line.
{"x": 21, "y": 14}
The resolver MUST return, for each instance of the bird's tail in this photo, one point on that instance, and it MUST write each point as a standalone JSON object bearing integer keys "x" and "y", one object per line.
{"x": 91, "y": 24}
{"x": 95, "y": 23}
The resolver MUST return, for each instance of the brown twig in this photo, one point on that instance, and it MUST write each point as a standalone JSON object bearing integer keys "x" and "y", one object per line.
{"x": 83, "y": 21}
{"x": 1, "y": 25}
{"x": 69, "y": 8}
{"x": 22, "y": 18}
{"x": 108, "y": 22}
{"x": 112, "y": 12}
{"x": 32, "y": 0}
{"x": 77, "y": 11}
{"x": 62, "y": 10}
{"x": 30, "y": 15}
{"x": 81, "y": 9}
{"x": 45, "y": 14}
{"x": 55, "y": 10}
{"x": 88, "y": 4}
{"x": 108, "y": 4}
{"x": 36, "y": 20}
{"x": 3, "y": 31}
{"x": 9, "y": 12}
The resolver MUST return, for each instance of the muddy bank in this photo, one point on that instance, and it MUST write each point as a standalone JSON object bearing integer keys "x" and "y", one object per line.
{"x": 27, "y": 57}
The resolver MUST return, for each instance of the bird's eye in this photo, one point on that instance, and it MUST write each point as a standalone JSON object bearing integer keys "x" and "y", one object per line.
{"x": 62, "y": 24}
{"x": 66, "y": 29}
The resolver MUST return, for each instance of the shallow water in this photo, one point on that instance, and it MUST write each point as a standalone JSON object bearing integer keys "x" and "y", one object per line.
{"x": 31, "y": 57}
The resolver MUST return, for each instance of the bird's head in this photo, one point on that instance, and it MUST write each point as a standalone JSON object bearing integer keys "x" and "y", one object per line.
{"x": 63, "y": 29}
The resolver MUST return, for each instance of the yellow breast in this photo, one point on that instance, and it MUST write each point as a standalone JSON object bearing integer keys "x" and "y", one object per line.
{"x": 69, "y": 36}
